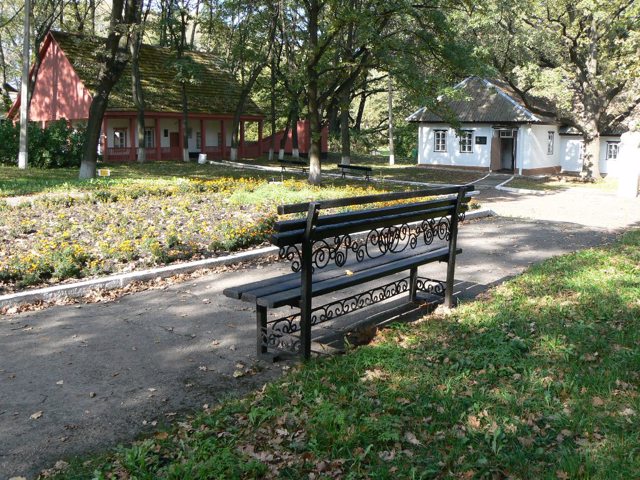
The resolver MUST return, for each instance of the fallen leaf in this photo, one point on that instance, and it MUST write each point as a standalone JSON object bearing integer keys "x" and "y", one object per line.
{"x": 238, "y": 374}
{"x": 348, "y": 272}
{"x": 597, "y": 402}
{"x": 161, "y": 436}
{"x": 412, "y": 439}
{"x": 60, "y": 382}
{"x": 561, "y": 475}
{"x": 387, "y": 456}
{"x": 36, "y": 415}
{"x": 628, "y": 412}
{"x": 473, "y": 422}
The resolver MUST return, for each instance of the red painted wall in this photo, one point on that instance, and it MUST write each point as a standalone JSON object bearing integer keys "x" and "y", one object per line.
{"x": 304, "y": 139}
{"x": 58, "y": 92}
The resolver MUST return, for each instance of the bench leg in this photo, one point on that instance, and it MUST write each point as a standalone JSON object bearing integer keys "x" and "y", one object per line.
{"x": 413, "y": 284}
{"x": 449, "y": 301}
{"x": 261, "y": 317}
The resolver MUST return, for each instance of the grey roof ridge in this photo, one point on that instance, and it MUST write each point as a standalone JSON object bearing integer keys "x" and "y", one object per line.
{"x": 524, "y": 110}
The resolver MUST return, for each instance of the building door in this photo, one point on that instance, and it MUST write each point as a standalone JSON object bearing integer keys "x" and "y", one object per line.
{"x": 495, "y": 152}
{"x": 507, "y": 157}
{"x": 174, "y": 139}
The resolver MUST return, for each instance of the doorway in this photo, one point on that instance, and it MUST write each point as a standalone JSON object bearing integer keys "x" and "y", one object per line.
{"x": 503, "y": 150}
{"x": 174, "y": 139}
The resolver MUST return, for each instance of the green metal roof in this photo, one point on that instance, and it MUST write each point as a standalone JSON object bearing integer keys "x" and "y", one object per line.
{"x": 212, "y": 91}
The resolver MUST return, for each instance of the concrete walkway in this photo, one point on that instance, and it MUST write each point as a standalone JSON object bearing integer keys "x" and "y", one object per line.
{"x": 79, "y": 379}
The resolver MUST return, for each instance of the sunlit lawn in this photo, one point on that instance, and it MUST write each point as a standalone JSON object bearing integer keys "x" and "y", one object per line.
{"x": 539, "y": 380}
{"x": 14, "y": 181}
{"x": 608, "y": 184}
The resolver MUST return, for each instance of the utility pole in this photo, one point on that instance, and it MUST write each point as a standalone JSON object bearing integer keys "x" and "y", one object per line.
{"x": 23, "y": 155}
{"x": 392, "y": 157}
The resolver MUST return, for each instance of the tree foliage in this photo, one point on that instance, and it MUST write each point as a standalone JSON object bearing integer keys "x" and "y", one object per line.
{"x": 582, "y": 56}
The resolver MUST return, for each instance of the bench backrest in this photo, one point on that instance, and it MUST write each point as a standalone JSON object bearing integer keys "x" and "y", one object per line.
{"x": 359, "y": 234}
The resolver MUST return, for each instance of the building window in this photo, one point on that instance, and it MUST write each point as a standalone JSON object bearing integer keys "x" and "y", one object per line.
{"x": 198, "y": 140}
{"x": 149, "y": 138}
{"x": 440, "y": 141}
{"x": 466, "y": 141}
{"x": 612, "y": 150}
{"x": 119, "y": 137}
{"x": 550, "y": 140}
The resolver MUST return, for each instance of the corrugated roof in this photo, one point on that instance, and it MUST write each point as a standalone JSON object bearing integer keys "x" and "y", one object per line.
{"x": 483, "y": 101}
{"x": 214, "y": 90}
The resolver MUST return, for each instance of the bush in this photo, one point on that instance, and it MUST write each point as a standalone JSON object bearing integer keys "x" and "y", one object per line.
{"x": 57, "y": 145}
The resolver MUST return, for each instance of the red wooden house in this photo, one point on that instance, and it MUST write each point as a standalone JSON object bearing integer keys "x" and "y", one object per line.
{"x": 66, "y": 82}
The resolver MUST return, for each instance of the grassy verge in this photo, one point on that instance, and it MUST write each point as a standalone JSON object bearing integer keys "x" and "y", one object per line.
{"x": 608, "y": 184}
{"x": 537, "y": 380}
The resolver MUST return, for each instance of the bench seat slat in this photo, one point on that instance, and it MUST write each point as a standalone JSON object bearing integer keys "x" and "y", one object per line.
{"x": 251, "y": 291}
{"x": 291, "y": 296}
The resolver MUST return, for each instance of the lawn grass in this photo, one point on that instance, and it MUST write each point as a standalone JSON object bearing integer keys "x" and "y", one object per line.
{"x": 16, "y": 182}
{"x": 608, "y": 184}
{"x": 537, "y": 380}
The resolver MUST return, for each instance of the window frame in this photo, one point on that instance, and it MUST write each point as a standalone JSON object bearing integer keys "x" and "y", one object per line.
{"x": 551, "y": 141}
{"x": 610, "y": 149}
{"x": 465, "y": 140}
{"x": 149, "y": 134}
{"x": 198, "y": 140}
{"x": 443, "y": 143}
{"x": 120, "y": 137}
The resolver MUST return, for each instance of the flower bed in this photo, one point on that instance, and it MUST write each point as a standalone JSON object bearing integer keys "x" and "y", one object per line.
{"x": 140, "y": 224}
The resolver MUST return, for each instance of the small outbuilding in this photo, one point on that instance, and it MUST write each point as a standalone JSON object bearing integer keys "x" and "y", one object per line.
{"x": 497, "y": 132}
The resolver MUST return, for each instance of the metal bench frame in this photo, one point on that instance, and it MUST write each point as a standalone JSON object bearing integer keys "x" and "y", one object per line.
{"x": 357, "y": 168}
{"x": 374, "y": 243}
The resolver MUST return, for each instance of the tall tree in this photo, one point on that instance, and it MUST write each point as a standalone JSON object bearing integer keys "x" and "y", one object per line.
{"x": 23, "y": 154}
{"x": 137, "y": 34}
{"x": 582, "y": 55}
{"x": 112, "y": 60}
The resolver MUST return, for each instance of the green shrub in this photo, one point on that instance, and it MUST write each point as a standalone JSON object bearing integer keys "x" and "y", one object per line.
{"x": 57, "y": 145}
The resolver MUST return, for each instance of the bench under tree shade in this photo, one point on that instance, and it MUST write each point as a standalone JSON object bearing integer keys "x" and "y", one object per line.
{"x": 344, "y": 167}
{"x": 293, "y": 164}
{"x": 332, "y": 251}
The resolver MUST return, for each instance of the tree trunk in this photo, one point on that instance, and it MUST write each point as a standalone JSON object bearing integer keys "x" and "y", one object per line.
{"x": 272, "y": 145}
{"x": 591, "y": 157}
{"x": 295, "y": 141}
{"x": 185, "y": 124}
{"x": 392, "y": 157}
{"x": 283, "y": 140}
{"x": 137, "y": 93}
{"x": 363, "y": 101}
{"x": 345, "y": 136}
{"x": 109, "y": 74}
{"x": 23, "y": 154}
{"x": 92, "y": 135}
{"x": 315, "y": 166}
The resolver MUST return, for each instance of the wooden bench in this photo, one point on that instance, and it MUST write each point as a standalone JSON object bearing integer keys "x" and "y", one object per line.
{"x": 336, "y": 251}
{"x": 354, "y": 168}
{"x": 291, "y": 163}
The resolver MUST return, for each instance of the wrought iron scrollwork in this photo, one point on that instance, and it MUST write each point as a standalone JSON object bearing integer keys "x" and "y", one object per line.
{"x": 428, "y": 285}
{"x": 291, "y": 253}
{"x": 280, "y": 333}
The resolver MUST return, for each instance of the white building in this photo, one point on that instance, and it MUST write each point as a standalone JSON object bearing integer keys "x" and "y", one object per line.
{"x": 499, "y": 133}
